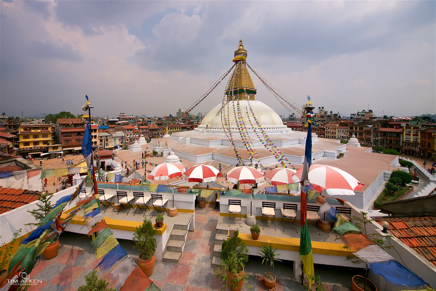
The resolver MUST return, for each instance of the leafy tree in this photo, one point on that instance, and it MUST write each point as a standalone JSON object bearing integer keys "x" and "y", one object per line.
{"x": 405, "y": 177}
{"x": 53, "y": 118}
{"x": 395, "y": 180}
{"x": 392, "y": 188}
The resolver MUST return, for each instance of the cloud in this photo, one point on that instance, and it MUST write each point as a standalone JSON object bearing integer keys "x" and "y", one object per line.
{"x": 153, "y": 57}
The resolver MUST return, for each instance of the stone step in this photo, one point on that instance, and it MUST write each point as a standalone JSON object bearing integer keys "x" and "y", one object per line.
{"x": 219, "y": 238}
{"x": 217, "y": 250}
{"x": 171, "y": 257}
{"x": 216, "y": 261}
{"x": 178, "y": 234}
{"x": 222, "y": 231}
{"x": 175, "y": 245}
{"x": 180, "y": 226}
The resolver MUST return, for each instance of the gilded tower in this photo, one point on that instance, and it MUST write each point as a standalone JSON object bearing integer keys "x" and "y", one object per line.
{"x": 240, "y": 85}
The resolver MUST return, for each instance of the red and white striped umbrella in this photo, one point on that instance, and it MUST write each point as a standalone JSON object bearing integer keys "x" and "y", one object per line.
{"x": 245, "y": 175}
{"x": 202, "y": 173}
{"x": 281, "y": 176}
{"x": 334, "y": 180}
{"x": 166, "y": 171}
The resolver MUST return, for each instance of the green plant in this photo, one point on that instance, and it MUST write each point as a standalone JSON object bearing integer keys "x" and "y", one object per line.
{"x": 93, "y": 283}
{"x": 407, "y": 164}
{"x": 6, "y": 251}
{"x": 44, "y": 208}
{"x": 268, "y": 256}
{"x": 317, "y": 280}
{"x": 255, "y": 228}
{"x": 159, "y": 217}
{"x": 144, "y": 241}
{"x": 234, "y": 256}
{"x": 405, "y": 177}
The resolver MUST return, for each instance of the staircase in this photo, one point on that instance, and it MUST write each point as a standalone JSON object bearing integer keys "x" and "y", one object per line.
{"x": 176, "y": 243}
{"x": 221, "y": 234}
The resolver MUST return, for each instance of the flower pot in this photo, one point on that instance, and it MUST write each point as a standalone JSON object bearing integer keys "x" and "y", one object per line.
{"x": 173, "y": 211}
{"x": 118, "y": 207}
{"x": 147, "y": 266}
{"x": 51, "y": 251}
{"x": 235, "y": 280}
{"x": 159, "y": 224}
{"x": 182, "y": 189}
{"x": 324, "y": 226}
{"x": 255, "y": 236}
{"x": 247, "y": 191}
{"x": 357, "y": 283}
{"x": 202, "y": 203}
{"x": 270, "y": 280}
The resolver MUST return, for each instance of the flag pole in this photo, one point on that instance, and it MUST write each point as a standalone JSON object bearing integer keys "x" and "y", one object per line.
{"x": 305, "y": 241}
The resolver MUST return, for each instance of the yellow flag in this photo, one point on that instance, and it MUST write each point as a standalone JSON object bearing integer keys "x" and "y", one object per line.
{"x": 106, "y": 247}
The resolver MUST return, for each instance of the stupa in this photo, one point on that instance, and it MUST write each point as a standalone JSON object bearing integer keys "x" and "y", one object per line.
{"x": 135, "y": 147}
{"x": 240, "y": 117}
{"x": 353, "y": 142}
{"x": 142, "y": 140}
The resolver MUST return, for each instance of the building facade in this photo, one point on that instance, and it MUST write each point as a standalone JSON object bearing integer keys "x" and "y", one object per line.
{"x": 69, "y": 133}
{"x": 33, "y": 139}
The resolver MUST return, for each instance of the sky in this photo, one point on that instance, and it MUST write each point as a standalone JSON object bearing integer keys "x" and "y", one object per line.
{"x": 153, "y": 57}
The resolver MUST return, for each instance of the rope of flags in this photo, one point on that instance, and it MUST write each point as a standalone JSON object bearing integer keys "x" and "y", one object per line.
{"x": 226, "y": 122}
{"x": 277, "y": 95}
{"x": 269, "y": 144}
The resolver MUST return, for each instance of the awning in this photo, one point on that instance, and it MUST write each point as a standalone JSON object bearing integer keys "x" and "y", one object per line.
{"x": 77, "y": 148}
{"x": 53, "y": 152}
{"x": 35, "y": 153}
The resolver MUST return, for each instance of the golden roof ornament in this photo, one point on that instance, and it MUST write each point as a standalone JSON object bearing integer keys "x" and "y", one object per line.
{"x": 240, "y": 85}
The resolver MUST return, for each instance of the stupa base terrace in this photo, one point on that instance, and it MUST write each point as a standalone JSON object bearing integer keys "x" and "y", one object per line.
{"x": 200, "y": 146}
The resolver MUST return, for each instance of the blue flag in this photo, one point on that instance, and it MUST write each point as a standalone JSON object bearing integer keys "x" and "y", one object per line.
{"x": 87, "y": 145}
{"x": 307, "y": 154}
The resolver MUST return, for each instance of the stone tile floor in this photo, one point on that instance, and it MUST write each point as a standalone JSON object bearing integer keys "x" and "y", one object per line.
{"x": 194, "y": 271}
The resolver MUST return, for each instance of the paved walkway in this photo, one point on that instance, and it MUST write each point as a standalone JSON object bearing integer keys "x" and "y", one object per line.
{"x": 193, "y": 272}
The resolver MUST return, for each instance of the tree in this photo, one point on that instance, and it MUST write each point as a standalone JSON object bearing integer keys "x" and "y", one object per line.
{"x": 391, "y": 188}
{"x": 53, "y": 118}
{"x": 405, "y": 177}
{"x": 395, "y": 180}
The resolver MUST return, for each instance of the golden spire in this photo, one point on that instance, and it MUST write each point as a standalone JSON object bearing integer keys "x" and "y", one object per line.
{"x": 240, "y": 85}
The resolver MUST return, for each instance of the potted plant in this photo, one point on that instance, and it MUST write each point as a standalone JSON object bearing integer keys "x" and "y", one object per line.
{"x": 360, "y": 283}
{"x": 43, "y": 208}
{"x": 93, "y": 283}
{"x": 234, "y": 256}
{"x": 145, "y": 243}
{"x": 159, "y": 220}
{"x": 255, "y": 231}
{"x": 269, "y": 256}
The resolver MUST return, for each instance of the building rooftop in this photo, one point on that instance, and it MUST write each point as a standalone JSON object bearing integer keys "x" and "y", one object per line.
{"x": 14, "y": 198}
{"x": 418, "y": 233}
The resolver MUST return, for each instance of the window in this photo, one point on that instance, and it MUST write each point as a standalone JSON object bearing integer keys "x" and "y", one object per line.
{"x": 67, "y": 141}
{"x": 25, "y": 137}
{"x": 78, "y": 141}
{"x": 35, "y": 136}
{"x": 67, "y": 134}
{"x": 45, "y": 136}
{"x": 26, "y": 144}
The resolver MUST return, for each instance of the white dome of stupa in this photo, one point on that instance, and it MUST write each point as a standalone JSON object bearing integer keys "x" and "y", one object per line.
{"x": 172, "y": 158}
{"x": 268, "y": 119}
{"x": 353, "y": 142}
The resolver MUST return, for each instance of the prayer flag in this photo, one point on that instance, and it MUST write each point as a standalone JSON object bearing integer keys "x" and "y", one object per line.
{"x": 87, "y": 145}
{"x": 305, "y": 242}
